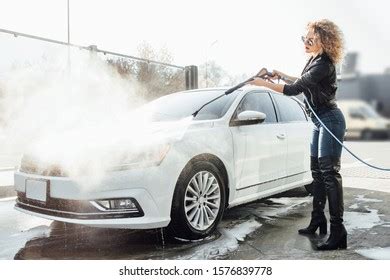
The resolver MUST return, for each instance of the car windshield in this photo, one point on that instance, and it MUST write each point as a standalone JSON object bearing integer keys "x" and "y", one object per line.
{"x": 179, "y": 105}
{"x": 366, "y": 111}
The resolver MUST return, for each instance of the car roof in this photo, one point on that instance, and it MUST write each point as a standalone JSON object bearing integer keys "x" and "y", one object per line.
{"x": 352, "y": 103}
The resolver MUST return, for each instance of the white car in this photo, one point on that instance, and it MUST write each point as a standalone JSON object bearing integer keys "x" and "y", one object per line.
{"x": 362, "y": 121}
{"x": 245, "y": 146}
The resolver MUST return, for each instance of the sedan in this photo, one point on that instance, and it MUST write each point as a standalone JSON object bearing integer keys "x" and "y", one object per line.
{"x": 250, "y": 144}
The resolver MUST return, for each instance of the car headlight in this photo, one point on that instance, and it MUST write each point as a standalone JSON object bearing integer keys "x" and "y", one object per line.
{"x": 151, "y": 157}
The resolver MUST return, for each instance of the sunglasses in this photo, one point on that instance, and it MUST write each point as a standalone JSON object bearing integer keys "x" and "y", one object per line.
{"x": 309, "y": 41}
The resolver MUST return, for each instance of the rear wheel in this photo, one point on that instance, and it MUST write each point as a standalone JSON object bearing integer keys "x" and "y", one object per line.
{"x": 198, "y": 202}
{"x": 367, "y": 135}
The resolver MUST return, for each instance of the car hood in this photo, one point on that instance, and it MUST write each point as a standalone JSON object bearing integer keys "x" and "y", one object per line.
{"x": 92, "y": 144}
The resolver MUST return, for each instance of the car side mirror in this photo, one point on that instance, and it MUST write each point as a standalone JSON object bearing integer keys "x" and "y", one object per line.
{"x": 248, "y": 118}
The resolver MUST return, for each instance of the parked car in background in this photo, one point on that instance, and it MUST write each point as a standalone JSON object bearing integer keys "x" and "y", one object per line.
{"x": 362, "y": 121}
{"x": 245, "y": 146}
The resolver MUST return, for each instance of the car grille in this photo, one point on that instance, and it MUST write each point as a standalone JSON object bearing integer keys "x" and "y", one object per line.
{"x": 380, "y": 134}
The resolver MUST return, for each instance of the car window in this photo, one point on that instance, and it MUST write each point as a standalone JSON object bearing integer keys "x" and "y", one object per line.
{"x": 289, "y": 109}
{"x": 260, "y": 102}
{"x": 365, "y": 111}
{"x": 218, "y": 108}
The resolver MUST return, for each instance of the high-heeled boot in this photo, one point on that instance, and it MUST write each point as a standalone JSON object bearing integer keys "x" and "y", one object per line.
{"x": 318, "y": 219}
{"x": 330, "y": 167}
{"x": 337, "y": 238}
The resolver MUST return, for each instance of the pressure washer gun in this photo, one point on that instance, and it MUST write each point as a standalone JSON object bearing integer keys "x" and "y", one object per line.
{"x": 263, "y": 73}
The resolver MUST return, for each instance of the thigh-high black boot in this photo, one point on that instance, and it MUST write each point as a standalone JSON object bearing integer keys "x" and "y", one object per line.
{"x": 330, "y": 167}
{"x": 318, "y": 219}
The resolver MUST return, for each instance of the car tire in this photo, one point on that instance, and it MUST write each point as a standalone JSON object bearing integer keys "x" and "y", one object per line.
{"x": 367, "y": 135}
{"x": 195, "y": 215}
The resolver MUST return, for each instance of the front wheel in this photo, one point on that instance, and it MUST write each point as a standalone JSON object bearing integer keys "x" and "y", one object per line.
{"x": 198, "y": 202}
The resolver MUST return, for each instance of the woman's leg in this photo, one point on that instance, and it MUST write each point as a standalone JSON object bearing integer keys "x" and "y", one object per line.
{"x": 318, "y": 218}
{"x": 329, "y": 162}
{"x": 319, "y": 195}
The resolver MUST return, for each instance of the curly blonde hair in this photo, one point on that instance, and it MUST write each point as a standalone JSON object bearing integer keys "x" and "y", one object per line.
{"x": 331, "y": 37}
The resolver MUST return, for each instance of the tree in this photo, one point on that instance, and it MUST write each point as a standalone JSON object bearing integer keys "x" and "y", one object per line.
{"x": 213, "y": 75}
{"x": 155, "y": 79}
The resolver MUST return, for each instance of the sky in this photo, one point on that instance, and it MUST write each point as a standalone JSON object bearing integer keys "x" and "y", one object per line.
{"x": 241, "y": 36}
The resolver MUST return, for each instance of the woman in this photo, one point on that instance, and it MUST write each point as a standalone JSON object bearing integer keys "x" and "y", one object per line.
{"x": 324, "y": 43}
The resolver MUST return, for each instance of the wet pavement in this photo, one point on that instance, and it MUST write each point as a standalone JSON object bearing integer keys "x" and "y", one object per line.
{"x": 265, "y": 229}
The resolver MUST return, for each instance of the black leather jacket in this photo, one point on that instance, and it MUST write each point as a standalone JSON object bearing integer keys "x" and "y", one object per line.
{"x": 318, "y": 83}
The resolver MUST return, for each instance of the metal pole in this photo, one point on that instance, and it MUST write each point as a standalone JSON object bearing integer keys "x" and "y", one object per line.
{"x": 207, "y": 59}
{"x": 206, "y": 74}
{"x": 68, "y": 23}
{"x": 191, "y": 76}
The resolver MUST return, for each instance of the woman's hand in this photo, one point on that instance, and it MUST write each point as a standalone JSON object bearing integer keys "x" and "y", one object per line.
{"x": 286, "y": 78}
{"x": 263, "y": 83}
{"x": 257, "y": 82}
{"x": 276, "y": 75}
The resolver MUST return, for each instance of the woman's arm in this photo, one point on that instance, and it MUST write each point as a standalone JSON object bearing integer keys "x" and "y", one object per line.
{"x": 307, "y": 80}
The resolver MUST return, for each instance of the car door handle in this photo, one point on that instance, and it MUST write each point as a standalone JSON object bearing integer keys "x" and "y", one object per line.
{"x": 281, "y": 136}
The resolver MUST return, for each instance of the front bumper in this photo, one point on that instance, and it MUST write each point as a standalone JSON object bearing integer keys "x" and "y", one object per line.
{"x": 125, "y": 223}
{"x": 68, "y": 201}
{"x": 376, "y": 134}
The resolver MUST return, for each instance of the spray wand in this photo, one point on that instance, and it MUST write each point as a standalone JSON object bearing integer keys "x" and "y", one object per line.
{"x": 263, "y": 73}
